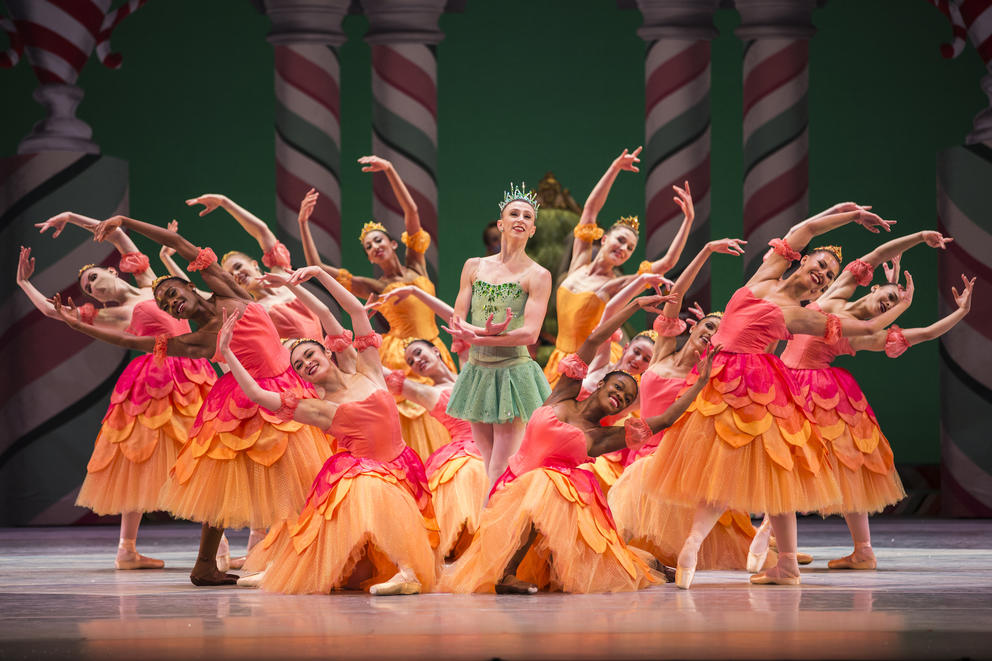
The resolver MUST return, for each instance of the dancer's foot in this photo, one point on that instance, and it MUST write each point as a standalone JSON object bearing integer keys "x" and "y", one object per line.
{"x": 510, "y": 584}
{"x": 801, "y": 558}
{"x": 404, "y": 582}
{"x": 786, "y": 572}
{"x": 211, "y": 577}
{"x": 134, "y": 560}
{"x": 686, "y": 569}
{"x": 862, "y": 558}
{"x": 238, "y": 562}
{"x": 758, "y": 550}
{"x": 252, "y": 580}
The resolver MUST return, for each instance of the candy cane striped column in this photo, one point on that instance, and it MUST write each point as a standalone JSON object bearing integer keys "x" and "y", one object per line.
{"x": 403, "y": 37}
{"x": 775, "y": 120}
{"x": 965, "y": 212}
{"x": 57, "y": 382}
{"x": 677, "y": 127}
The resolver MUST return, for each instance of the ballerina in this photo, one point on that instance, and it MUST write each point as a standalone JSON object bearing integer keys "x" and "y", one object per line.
{"x": 152, "y": 406}
{"x": 501, "y": 385}
{"x": 370, "y": 501}
{"x": 407, "y": 319}
{"x": 592, "y": 281}
{"x": 242, "y": 466}
{"x": 547, "y": 524}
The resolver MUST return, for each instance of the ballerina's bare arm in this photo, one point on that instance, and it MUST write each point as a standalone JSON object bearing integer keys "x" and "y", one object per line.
{"x": 877, "y": 340}
{"x": 251, "y": 223}
{"x": 683, "y": 198}
{"x": 219, "y": 281}
{"x": 846, "y": 283}
{"x": 424, "y": 394}
{"x": 537, "y": 284}
{"x": 437, "y": 306}
{"x": 811, "y": 322}
{"x": 411, "y": 216}
{"x": 316, "y": 412}
{"x": 582, "y": 250}
{"x": 368, "y": 361}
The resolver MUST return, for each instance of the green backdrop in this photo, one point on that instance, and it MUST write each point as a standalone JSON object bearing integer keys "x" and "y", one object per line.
{"x": 531, "y": 85}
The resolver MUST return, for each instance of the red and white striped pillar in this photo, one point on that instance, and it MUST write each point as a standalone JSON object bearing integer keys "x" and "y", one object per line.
{"x": 403, "y": 36}
{"x": 305, "y": 36}
{"x": 677, "y": 125}
{"x": 775, "y": 119}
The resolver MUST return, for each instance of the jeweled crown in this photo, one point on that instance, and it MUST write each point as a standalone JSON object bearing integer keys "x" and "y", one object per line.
{"x": 630, "y": 221}
{"x": 649, "y": 333}
{"x": 372, "y": 226}
{"x": 716, "y": 313}
{"x": 833, "y": 250}
{"x": 519, "y": 193}
{"x": 304, "y": 340}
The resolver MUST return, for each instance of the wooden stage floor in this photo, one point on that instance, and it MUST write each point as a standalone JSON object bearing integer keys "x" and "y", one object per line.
{"x": 930, "y": 599}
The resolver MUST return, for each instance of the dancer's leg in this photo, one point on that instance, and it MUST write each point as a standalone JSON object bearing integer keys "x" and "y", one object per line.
{"x": 863, "y": 556}
{"x": 506, "y": 441}
{"x": 482, "y": 436}
{"x": 237, "y": 562}
{"x": 205, "y": 569}
{"x": 510, "y": 584}
{"x": 786, "y": 572}
{"x": 127, "y": 552}
{"x": 703, "y": 521}
{"x": 758, "y": 550}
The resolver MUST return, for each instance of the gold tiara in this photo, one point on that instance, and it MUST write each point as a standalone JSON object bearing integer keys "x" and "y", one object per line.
{"x": 162, "y": 278}
{"x": 410, "y": 340}
{"x": 716, "y": 313}
{"x": 629, "y": 221}
{"x": 84, "y": 269}
{"x": 304, "y": 340}
{"x": 372, "y": 226}
{"x": 833, "y": 250}
{"x": 649, "y": 333}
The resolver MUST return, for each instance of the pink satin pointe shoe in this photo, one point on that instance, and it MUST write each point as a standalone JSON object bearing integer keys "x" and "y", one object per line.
{"x": 777, "y": 575}
{"x": 685, "y": 571}
{"x": 862, "y": 558}
{"x": 404, "y": 582}
{"x": 252, "y": 580}
{"x": 238, "y": 562}
{"x": 757, "y": 552}
{"x": 138, "y": 561}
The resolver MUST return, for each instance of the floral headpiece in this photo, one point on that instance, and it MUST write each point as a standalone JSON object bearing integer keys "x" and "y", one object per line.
{"x": 410, "y": 340}
{"x": 162, "y": 278}
{"x": 372, "y": 226}
{"x": 519, "y": 193}
{"x": 84, "y": 269}
{"x": 650, "y": 334}
{"x": 630, "y": 222}
{"x": 833, "y": 250}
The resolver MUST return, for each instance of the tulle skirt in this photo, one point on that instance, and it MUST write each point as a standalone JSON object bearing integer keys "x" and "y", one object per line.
{"x": 457, "y": 479}
{"x": 747, "y": 442}
{"x": 577, "y": 548}
{"x": 357, "y": 508}
{"x": 243, "y": 466}
{"x": 608, "y": 468}
{"x": 858, "y": 452}
{"x": 498, "y": 394}
{"x": 151, "y": 412}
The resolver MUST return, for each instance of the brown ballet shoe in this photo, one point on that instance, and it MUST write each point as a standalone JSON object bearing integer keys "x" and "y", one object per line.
{"x": 801, "y": 558}
{"x": 213, "y": 580}
{"x": 510, "y": 584}
{"x": 139, "y": 562}
{"x": 850, "y": 562}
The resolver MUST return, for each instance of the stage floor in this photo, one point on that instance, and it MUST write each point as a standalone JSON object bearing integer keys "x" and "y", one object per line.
{"x": 930, "y": 599}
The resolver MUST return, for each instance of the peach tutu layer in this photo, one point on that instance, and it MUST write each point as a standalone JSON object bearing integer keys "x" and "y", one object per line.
{"x": 149, "y": 418}
{"x": 243, "y": 466}
{"x": 608, "y": 468}
{"x": 661, "y": 528}
{"x": 457, "y": 479}
{"x": 859, "y": 453}
{"x": 747, "y": 442}
{"x": 577, "y": 548}
{"x": 357, "y": 508}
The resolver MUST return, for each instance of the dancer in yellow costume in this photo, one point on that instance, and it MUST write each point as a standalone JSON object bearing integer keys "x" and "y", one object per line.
{"x": 592, "y": 281}
{"x": 409, "y": 317}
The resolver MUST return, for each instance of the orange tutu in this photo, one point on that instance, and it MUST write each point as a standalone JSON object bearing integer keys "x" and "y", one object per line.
{"x": 458, "y": 483}
{"x": 242, "y": 466}
{"x": 747, "y": 442}
{"x": 577, "y": 548}
{"x": 661, "y": 528}
{"x": 607, "y": 468}
{"x": 151, "y": 411}
{"x": 357, "y": 508}
{"x": 859, "y": 454}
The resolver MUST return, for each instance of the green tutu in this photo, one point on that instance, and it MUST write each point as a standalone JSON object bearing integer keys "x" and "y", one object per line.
{"x": 498, "y": 394}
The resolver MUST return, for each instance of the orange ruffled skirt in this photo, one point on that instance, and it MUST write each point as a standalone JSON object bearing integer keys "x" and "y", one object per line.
{"x": 243, "y": 466}
{"x": 551, "y": 367}
{"x": 577, "y": 548}
{"x": 358, "y": 508}
{"x": 457, "y": 479}
{"x": 748, "y": 442}
{"x": 858, "y": 452}
{"x": 149, "y": 418}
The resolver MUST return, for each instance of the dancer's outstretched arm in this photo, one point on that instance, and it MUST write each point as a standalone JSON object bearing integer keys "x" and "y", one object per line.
{"x": 423, "y": 394}
{"x": 683, "y": 198}
{"x": 582, "y": 244}
{"x": 165, "y": 254}
{"x": 251, "y": 223}
{"x": 119, "y": 239}
{"x": 411, "y": 216}
{"x": 879, "y": 341}
{"x": 811, "y": 322}
{"x": 437, "y": 306}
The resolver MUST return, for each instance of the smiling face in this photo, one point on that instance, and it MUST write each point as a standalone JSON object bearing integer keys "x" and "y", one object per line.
{"x": 518, "y": 220}
{"x": 244, "y": 269}
{"x": 176, "y": 297}
{"x": 422, "y": 357}
{"x": 702, "y": 333}
{"x": 616, "y": 392}
{"x": 637, "y": 355}
{"x": 100, "y": 283}
{"x": 817, "y": 271}
{"x": 379, "y": 248}
{"x": 618, "y": 245}
{"x": 311, "y": 361}
{"x": 881, "y": 299}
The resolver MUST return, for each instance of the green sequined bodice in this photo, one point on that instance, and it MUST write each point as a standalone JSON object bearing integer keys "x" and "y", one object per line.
{"x": 489, "y": 299}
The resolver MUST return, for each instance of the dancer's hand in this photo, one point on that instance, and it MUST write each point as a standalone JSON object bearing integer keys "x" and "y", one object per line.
{"x": 654, "y": 280}
{"x": 394, "y": 380}
{"x": 107, "y": 227}
{"x": 906, "y": 293}
{"x": 374, "y": 164}
{"x": 871, "y": 221}
{"x": 395, "y": 295}
{"x": 307, "y": 206}
{"x": 696, "y": 311}
{"x": 891, "y": 269}
{"x": 706, "y": 362}
{"x": 56, "y": 223}
{"x": 847, "y": 207}
{"x": 25, "y": 265}
{"x": 496, "y": 328}
{"x": 628, "y": 160}
{"x": 458, "y": 330}
{"x": 227, "y": 331}
{"x": 270, "y": 279}
{"x": 683, "y": 198}
{"x": 727, "y": 246}
{"x": 651, "y": 302}
{"x": 964, "y": 298}
{"x": 303, "y": 274}
{"x": 67, "y": 311}
{"x": 210, "y": 201}
{"x": 936, "y": 239}
{"x": 166, "y": 251}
